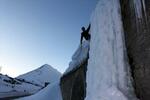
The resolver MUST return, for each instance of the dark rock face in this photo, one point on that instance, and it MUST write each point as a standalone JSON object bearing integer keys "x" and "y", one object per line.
{"x": 137, "y": 37}
{"x": 73, "y": 84}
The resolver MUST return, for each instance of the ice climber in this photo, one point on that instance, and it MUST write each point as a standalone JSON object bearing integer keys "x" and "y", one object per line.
{"x": 85, "y": 33}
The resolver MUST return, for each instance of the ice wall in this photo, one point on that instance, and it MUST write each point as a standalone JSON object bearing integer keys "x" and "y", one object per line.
{"x": 108, "y": 76}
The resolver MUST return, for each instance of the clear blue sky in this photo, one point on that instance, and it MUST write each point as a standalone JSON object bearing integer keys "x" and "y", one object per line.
{"x": 35, "y": 32}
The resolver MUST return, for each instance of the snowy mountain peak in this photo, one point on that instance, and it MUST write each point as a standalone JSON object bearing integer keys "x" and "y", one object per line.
{"x": 47, "y": 67}
{"x": 45, "y": 73}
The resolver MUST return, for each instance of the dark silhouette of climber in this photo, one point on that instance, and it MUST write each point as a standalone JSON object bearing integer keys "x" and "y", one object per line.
{"x": 85, "y": 34}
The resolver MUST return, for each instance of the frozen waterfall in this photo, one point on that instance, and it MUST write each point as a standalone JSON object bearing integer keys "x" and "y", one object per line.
{"x": 108, "y": 74}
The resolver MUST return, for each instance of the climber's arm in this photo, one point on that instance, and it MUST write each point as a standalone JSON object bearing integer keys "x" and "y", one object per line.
{"x": 88, "y": 29}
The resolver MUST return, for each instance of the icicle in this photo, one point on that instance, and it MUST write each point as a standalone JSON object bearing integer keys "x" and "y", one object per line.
{"x": 138, "y": 8}
{"x": 144, "y": 9}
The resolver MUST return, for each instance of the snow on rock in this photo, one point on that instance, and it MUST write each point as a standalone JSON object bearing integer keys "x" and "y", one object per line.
{"x": 108, "y": 75}
{"x": 80, "y": 55}
{"x": 51, "y": 92}
{"x": 45, "y": 73}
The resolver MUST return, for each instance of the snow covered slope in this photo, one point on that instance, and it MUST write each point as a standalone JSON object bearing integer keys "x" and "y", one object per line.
{"x": 108, "y": 76}
{"x": 45, "y": 73}
{"x": 51, "y": 92}
{"x": 10, "y": 87}
{"x": 29, "y": 83}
